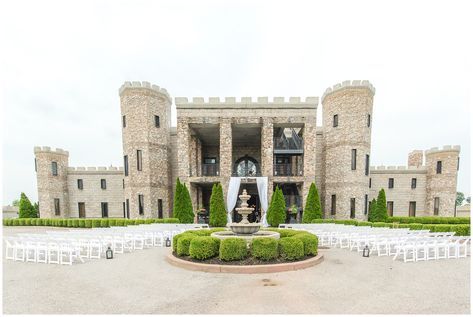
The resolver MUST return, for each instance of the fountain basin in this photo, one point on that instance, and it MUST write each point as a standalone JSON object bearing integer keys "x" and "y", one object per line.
{"x": 247, "y": 237}
{"x": 244, "y": 228}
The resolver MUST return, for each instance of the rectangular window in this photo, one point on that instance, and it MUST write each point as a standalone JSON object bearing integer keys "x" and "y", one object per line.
{"x": 80, "y": 184}
{"x": 334, "y": 205}
{"x": 369, "y": 185}
{"x": 352, "y": 208}
{"x": 141, "y": 204}
{"x": 124, "y": 210}
{"x": 57, "y": 207}
{"x": 124, "y": 121}
{"x": 103, "y": 183}
{"x": 335, "y": 120}
{"x": 412, "y": 209}
{"x": 123, "y": 183}
{"x": 81, "y": 210}
{"x": 390, "y": 208}
{"x": 104, "y": 210}
{"x": 458, "y": 164}
{"x": 391, "y": 183}
{"x": 139, "y": 160}
{"x": 128, "y": 208}
{"x": 160, "y": 208}
{"x": 414, "y": 183}
{"x": 54, "y": 168}
{"x": 366, "y": 204}
{"x": 367, "y": 164}
{"x": 125, "y": 163}
{"x": 156, "y": 121}
{"x": 436, "y": 206}
{"x": 439, "y": 167}
{"x": 35, "y": 165}
{"x": 353, "y": 159}
{"x": 369, "y": 120}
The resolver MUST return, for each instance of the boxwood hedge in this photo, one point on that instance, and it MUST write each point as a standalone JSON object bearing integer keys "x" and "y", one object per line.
{"x": 264, "y": 248}
{"x": 291, "y": 248}
{"x": 203, "y": 247}
{"x": 232, "y": 249}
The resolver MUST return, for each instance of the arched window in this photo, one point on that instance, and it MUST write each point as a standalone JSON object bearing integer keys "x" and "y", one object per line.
{"x": 246, "y": 166}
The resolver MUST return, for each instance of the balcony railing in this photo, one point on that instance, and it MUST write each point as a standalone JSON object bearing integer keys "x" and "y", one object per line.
{"x": 210, "y": 169}
{"x": 288, "y": 169}
{"x": 288, "y": 145}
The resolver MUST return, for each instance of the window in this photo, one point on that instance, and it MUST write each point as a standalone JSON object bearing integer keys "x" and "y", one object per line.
{"x": 436, "y": 206}
{"x": 103, "y": 183}
{"x": 391, "y": 183}
{"x": 139, "y": 160}
{"x": 128, "y": 208}
{"x": 104, "y": 210}
{"x": 334, "y": 205}
{"x": 81, "y": 207}
{"x": 125, "y": 163}
{"x": 367, "y": 164}
{"x": 352, "y": 208}
{"x": 141, "y": 204}
{"x": 368, "y": 123}
{"x": 366, "y": 204}
{"x": 390, "y": 208}
{"x": 439, "y": 167}
{"x": 353, "y": 159}
{"x": 123, "y": 183}
{"x": 80, "y": 184}
{"x": 335, "y": 120}
{"x": 124, "y": 121}
{"x": 54, "y": 168}
{"x": 35, "y": 165}
{"x": 160, "y": 208}
{"x": 156, "y": 121}
{"x": 369, "y": 185}
{"x": 413, "y": 183}
{"x": 412, "y": 209}
{"x": 57, "y": 207}
{"x": 458, "y": 163}
{"x": 124, "y": 210}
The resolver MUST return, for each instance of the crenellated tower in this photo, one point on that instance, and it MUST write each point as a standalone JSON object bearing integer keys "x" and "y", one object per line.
{"x": 146, "y": 118}
{"x": 347, "y": 121}
{"x": 51, "y": 173}
{"x": 441, "y": 182}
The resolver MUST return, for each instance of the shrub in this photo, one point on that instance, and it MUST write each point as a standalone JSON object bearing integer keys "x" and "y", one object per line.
{"x": 312, "y": 208}
{"x": 21, "y": 222}
{"x": 171, "y": 220}
{"x": 372, "y": 211}
{"x": 82, "y": 223}
{"x": 381, "y": 224}
{"x": 76, "y": 223}
{"x": 381, "y": 214}
{"x": 183, "y": 204}
{"x": 310, "y": 241}
{"x": 461, "y": 230}
{"x": 415, "y": 226}
{"x": 27, "y": 221}
{"x": 265, "y": 248}
{"x": 104, "y": 223}
{"x": 96, "y": 223}
{"x": 283, "y": 233}
{"x": 277, "y": 210}
{"x": 88, "y": 223}
{"x": 351, "y": 222}
{"x": 6, "y": 222}
{"x": 291, "y": 248}
{"x": 217, "y": 212}
{"x": 365, "y": 224}
{"x": 317, "y": 221}
{"x": 233, "y": 249}
{"x": 16, "y": 222}
{"x": 176, "y": 238}
{"x": 120, "y": 222}
{"x": 112, "y": 222}
{"x": 25, "y": 208}
{"x": 183, "y": 244}
{"x": 202, "y": 248}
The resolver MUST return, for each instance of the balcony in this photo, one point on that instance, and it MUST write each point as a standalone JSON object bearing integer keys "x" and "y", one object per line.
{"x": 210, "y": 169}
{"x": 288, "y": 169}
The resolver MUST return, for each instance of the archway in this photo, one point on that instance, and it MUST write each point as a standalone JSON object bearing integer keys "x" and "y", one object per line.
{"x": 246, "y": 166}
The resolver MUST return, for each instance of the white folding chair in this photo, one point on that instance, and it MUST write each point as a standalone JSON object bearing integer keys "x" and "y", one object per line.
{"x": 53, "y": 253}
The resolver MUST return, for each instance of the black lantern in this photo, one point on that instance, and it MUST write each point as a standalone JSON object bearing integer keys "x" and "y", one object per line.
{"x": 366, "y": 252}
{"x": 109, "y": 253}
{"x": 168, "y": 242}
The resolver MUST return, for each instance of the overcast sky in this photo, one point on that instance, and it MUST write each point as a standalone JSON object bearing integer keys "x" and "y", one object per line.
{"x": 62, "y": 65}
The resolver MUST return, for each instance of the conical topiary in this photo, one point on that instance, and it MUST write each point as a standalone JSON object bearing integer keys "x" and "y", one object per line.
{"x": 312, "y": 208}
{"x": 187, "y": 215}
{"x": 217, "y": 214}
{"x": 381, "y": 209}
{"x": 278, "y": 209}
{"x": 372, "y": 211}
{"x": 177, "y": 204}
{"x": 26, "y": 209}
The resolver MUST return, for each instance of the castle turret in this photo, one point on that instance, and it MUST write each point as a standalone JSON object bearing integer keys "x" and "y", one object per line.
{"x": 347, "y": 116}
{"x": 442, "y": 171}
{"x": 415, "y": 158}
{"x": 51, "y": 174}
{"x": 146, "y": 118}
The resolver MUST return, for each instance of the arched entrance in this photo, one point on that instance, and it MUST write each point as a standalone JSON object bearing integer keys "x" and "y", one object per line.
{"x": 246, "y": 166}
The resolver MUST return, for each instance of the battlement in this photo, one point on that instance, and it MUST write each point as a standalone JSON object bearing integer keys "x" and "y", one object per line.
{"x": 402, "y": 168}
{"x": 445, "y": 148}
{"x": 349, "y": 84}
{"x": 101, "y": 169}
{"x": 144, "y": 85}
{"x": 47, "y": 149}
{"x": 246, "y": 102}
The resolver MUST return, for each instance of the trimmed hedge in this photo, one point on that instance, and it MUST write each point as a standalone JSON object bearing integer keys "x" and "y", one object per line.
{"x": 283, "y": 233}
{"x": 84, "y": 223}
{"x": 202, "y": 248}
{"x": 232, "y": 249}
{"x": 291, "y": 248}
{"x": 430, "y": 220}
{"x": 183, "y": 244}
{"x": 310, "y": 241}
{"x": 265, "y": 248}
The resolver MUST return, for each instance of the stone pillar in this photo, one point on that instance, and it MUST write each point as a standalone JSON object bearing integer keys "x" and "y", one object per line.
{"x": 309, "y": 149}
{"x": 267, "y": 147}
{"x": 183, "y": 147}
{"x": 415, "y": 158}
{"x": 193, "y": 155}
{"x": 225, "y": 154}
{"x": 199, "y": 157}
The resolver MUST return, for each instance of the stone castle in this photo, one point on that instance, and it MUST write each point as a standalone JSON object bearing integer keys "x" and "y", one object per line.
{"x": 218, "y": 139}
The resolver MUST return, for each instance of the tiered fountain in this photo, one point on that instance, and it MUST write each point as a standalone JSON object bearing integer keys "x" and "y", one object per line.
{"x": 245, "y": 229}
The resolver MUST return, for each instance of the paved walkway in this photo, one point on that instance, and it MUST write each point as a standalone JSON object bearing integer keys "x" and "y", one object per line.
{"x": 143, "y": 282}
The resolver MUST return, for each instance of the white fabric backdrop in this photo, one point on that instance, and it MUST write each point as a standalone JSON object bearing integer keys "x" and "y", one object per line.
{"x": 262, "y": 183}
{"x": 232, "y": 196}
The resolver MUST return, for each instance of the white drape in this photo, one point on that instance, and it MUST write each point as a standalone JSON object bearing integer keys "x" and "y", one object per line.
{"x": 262, "y": 183}
{"x": 232, "y": 196}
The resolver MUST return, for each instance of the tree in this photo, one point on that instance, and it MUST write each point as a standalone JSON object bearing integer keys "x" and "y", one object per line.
{"x": 182, "y": 208}
{"x": 16, "y": 203}
{"x": 372, "y": 211}
{"x": 217, "y": 213}
{"x": 277, "y": 210}
{"x": 460, "y": 198}
{"x": 36, "y": 208}
{"x": 312, "y": 208}
{"x": 269, "y": 211}
{"x": 177, "y": 204}
{"x": 381, "y": 214}
{"x": 468, "y": 200}
{"x": 26, "y": 209}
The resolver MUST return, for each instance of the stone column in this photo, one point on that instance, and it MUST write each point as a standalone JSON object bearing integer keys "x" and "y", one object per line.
{"x": 225, "y": 154}
{"x": 267, "y": 147}
{"x": 193, "y": 155}
{"x": 183, "y": 147}
{"x": 199, "y": 157}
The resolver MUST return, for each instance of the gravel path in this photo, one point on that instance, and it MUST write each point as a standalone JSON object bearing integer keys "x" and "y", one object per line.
{"x": 142, "y": 282}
